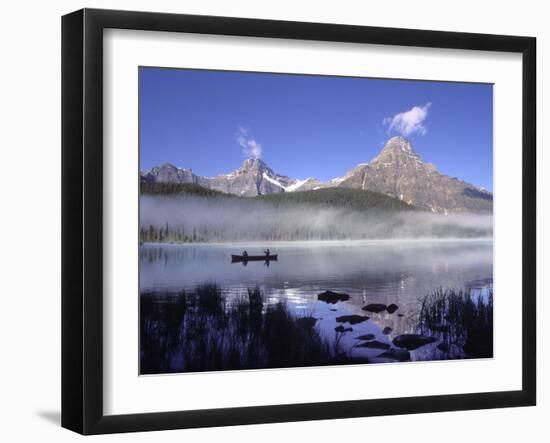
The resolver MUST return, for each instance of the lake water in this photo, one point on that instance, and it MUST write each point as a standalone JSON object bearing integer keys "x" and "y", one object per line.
{"x": 398, "y": 272}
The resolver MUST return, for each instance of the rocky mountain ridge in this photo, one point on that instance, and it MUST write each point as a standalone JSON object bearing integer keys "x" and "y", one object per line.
{"x": 397, "y": 171}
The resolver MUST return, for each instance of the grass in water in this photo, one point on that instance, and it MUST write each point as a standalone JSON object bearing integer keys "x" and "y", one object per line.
{"x": 202, "y": 331}
{"x": 461, "y": 319}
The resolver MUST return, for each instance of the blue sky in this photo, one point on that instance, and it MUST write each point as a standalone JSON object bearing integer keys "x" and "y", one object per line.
{"x": 310, "y": 126}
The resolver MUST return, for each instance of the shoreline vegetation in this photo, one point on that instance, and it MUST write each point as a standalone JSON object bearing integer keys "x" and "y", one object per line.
{"x": 462, "y": 320}
{"x": 187, "y": 213}
{"x": 204, "y": 330}
{"x": 200, "y": 331}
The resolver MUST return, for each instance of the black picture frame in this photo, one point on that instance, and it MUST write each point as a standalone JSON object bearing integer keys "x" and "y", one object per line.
{"x": 82, "y": 218}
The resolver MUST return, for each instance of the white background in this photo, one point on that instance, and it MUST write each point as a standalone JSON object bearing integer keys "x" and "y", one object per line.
{"x": 30, "y": 221}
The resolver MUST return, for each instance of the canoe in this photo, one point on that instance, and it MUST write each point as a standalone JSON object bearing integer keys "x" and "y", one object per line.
{"x": 240, "y": 258}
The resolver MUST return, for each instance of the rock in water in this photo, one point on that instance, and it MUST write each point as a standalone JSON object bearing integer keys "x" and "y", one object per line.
{"x": 351, "y": 319}
{"x": 365, "y": 337}
{"x": 375, "y": 307}
{"x": 392, "y": 308}
{"x": 341, "y": 329}
{"x": 387, "y": 330}
{"x": 413, "y": 341}
{"x": 332, "y": 297}
{"x": 374, "y": 345}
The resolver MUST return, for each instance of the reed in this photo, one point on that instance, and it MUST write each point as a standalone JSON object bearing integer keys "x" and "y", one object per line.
{"x": 203, "y": 330}
{"x": 460, "y": 318}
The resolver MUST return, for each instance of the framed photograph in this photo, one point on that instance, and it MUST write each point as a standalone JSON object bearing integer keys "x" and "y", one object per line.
{"x": 269, "y": 221}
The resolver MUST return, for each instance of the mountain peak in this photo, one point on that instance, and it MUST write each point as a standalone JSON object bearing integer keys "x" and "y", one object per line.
{"x": 169, "y": 168}
{"x": 399, "y": 144}
{"x": 397, "y": 150}
{"x": 397, "y": 171}
{"x": 254, "y": 160}
{"x": 253, "y": 163}
{"x": 168, "y": 165}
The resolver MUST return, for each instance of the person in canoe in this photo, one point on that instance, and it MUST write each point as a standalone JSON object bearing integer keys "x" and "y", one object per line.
{"x": 245, "y": 257}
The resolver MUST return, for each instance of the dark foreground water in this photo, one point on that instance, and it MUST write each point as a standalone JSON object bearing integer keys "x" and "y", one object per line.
{"x": 174, "y": 331}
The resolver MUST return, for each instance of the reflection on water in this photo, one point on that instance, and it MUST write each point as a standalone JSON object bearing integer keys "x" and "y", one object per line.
{"x": 399, "y": 273}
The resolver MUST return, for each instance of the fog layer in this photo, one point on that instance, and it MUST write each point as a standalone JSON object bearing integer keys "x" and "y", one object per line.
{"x": 191, "y": 218}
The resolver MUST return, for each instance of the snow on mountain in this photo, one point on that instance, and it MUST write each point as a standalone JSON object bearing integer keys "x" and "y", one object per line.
{"x": 271, "y": 180}
{"x": 397, "y": 170}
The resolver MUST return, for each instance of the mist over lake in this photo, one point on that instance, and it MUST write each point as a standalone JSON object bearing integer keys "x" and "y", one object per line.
{"x": 223, "y": 219}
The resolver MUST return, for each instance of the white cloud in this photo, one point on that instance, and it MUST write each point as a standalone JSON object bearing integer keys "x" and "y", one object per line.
{"x": 408, "y": 122}
{"x": 250, "y": 147}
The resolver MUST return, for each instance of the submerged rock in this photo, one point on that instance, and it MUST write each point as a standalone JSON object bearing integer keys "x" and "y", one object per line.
{"x": 396, "y": 354}
{"x": 401, "y": 315}
{"x": 306, "y": 322}
{"x": 387, "y": 330}
{"x": 351, "y": 319}
{"x": 342, "y": 329}
{"x": 365, "y": 337}
{"x": 332, "y": 297}
{"x": 444, "y": 347}
{"x": 392, "y": 308}
{"x": 413, "y": 341}
{"x": 375, "y": 307}
{"x": 374, "y": 345}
